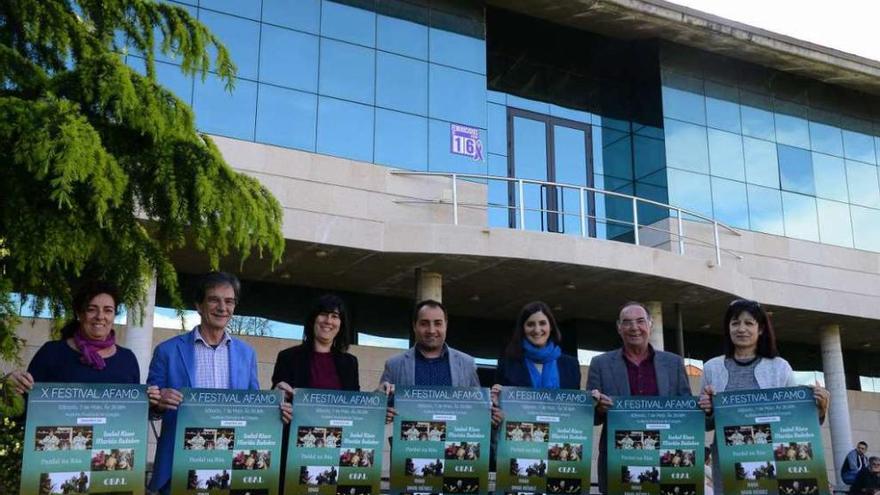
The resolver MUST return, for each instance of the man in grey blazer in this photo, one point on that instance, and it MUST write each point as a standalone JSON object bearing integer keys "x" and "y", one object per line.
{"x": 634, "y": 369}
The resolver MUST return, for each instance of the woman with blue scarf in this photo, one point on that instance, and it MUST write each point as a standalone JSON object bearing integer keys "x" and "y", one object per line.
{"x": 533, "y": 357}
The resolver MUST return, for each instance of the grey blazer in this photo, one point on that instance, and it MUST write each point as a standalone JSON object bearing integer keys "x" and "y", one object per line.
{"x": 608, "y": 375}
{"x": 401, "y": 369}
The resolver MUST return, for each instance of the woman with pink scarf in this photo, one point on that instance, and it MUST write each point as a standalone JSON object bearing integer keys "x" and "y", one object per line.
{"x": 87, "y": 351}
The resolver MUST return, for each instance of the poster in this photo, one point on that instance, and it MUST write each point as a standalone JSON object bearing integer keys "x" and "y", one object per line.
{"x": 227, "y": 442}
{"x": 85, "y": 438}
{"x": 432, "y": 427}
{"x": 656, "y": 445}
{"x": 336, "y": 441}
{"x": 545, "y": 442}
{"x": 769, "y": 442}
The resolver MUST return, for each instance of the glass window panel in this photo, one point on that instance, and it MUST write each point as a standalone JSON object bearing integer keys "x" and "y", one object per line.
{"x": 616, "y": 154}
{"x": 826, "y": 138}
{"x": 684, "y": 105}
{"x": 241, "y": 38}
{"x": 402, "y": 83}
{"x": 249, "y": 9}
{"x": 527, "y": 104}
{"x": 401, "y": 140}
{"x": 345, "y": 129}
{"x": 792, "y": 131}
{"x": 570, "y": 155}
{"x": 650, "y": 155}
{"x": 765, "y": 210}
{"x": 530, "y": 155}
{"x": 863, "y": 186}
{"x": 690, "y": 191}
{"x": 866, "y": 235}
{"x": 723, "y": 114}
{"x": 686, "y": 146}
{"x": 762, "y": 167}
{"x": 758, "y": 123}
{"x": 497, "y": 129}
{"x": 830, "y": 175}
{"x": 498, "y": 190}
{"x": 287, "y": 117}
{"x": 834, "y": 223}
{"x": 289, "y": 58}
{"x": 568, "y": 113}
{"x": 402, "y": 36}
{"x": 799, "y": 212}
{"x": 348, "y": 23}
{"x": 174, "y": 80}
{"x": 347, "y": 71}
{"x": 729, "y": 202}
{"x": 457, "y": 50}
{"x": 457, "y": 96}
{"x": 795, "y": 169}
{"x": 440, "y": 156}
{"x": 726, "y": 155}
{"x": 858, "y": 146}
{"x": 303, "y": 15}
{"x": 227, "y": 114}
{"x": 158, "y": 38}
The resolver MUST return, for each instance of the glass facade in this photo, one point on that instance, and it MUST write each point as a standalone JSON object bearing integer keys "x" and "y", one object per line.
{"x": 375, "y": 81}
{"x": 765, "y": 151}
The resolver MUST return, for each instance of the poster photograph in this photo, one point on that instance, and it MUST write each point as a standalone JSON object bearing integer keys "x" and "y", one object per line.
{"x": 228, "y": 442}
{"x": 545, "y": 442}
{"x": 441, "y": 440}
{"x": 335, "y": 444}
{"x": 85, "y": 438}
{"x": 769, "y": 442}
{"x": 656, "y": 446}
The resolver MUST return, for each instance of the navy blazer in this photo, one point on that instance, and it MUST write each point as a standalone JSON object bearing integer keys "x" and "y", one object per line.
{"x": 173, "y": 366}
{"x": 513, "y": 372}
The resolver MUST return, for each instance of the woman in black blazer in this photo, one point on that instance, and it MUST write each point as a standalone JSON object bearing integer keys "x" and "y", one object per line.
{"x": 321, "y": 361}
{"x": 533, "y": 357}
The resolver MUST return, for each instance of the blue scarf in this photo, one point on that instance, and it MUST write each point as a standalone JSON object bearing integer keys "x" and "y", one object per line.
{"x": 548, "y": 377}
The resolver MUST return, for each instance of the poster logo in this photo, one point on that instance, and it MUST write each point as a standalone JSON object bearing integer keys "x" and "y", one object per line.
{"x": 466, "y": 141}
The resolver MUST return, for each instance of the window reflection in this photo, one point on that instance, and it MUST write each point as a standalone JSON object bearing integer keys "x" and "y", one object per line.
{"x": 457, "y": 50}
{"x": 240, "y": 36}
{"x": 799, "y": 213}
{"x": 347, "y": 23}
{"x": 457, "y": 96}
{"x": 729, "y": 201}
{"x": 347, "y": 71}
{"x": 345, "y": 129}
{"x": 830, "y": 175}
{"x": 765, "y": 210}
{"x": 402, "y": 36}
{"x": 792, "y": 131}
{"x": 497, "y": 129}
{"x": 286, "y": 117}
{"x": 237, "y": 7}
{"x": 757, "y": 122}
{"x": 866, "y": 235}
{"x": 401, "y": 140}
{"x": 762, "y": 167}
{"x": 303, "y": 15}
{"x": 690, "y": 191}
{"x": 722, "y": 109}
{"x": 289, "y": 58}
{"x": 726, "y": 155}
{"x": 858, "y": 146}
{"x": 863, "y": 186}
{"x": 795, "y": 169}
{"x": 227, "y": 114}
{"x": 826, "y": 138}
{"x": 686, "y": 146}
{"x": 401, "y": 83}
{"x": 834, "y": 223}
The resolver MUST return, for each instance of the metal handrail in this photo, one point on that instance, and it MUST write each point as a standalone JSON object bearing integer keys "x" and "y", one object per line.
{"x": 583, "y": 190}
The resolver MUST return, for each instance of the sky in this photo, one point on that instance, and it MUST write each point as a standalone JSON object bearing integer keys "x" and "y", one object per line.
{"x": 849, "y": 26}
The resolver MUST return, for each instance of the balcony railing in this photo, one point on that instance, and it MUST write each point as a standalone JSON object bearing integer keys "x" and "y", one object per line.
{"x": 584, "y": 213}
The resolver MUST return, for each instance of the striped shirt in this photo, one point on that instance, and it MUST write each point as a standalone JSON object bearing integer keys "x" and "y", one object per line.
{"x": 212, "y": 364}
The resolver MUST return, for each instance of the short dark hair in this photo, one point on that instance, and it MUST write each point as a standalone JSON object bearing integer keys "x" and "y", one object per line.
{"x": 431, "y": 303}
{"x": 863, "y": 443}
{"x": 767, "y": 338}
{"x": 214, "y": 279}
{"x": 326, "y": 304}
{"x": 81, "y": 299}
{"x": 632, "y": 303}
{"x": 514, "y": 347}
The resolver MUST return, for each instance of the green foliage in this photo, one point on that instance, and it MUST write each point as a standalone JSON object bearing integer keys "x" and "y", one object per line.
{"x": 11, "y": 438}
{"x": 102, "y": 171}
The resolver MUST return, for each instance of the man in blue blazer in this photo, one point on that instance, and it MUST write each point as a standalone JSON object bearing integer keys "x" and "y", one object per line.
{"x": 206, "y": 357}
{"x": 634, "y": 369}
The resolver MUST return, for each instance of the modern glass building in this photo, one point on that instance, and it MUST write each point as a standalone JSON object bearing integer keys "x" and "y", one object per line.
{"x": 581, "y": 153}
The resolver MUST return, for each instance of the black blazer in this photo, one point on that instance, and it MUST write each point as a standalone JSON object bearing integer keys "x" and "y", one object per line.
{"x": 292, "y": 367}
{"x": 513, "y": 372}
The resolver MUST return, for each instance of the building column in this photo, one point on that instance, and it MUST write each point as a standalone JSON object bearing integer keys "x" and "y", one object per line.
{"x": 139, "y": 334}
{"x": 835, "y": 382}
{"x": 655, "y": 310}
{"x": 679, "y": 331}
{"x": 429, "y": 285}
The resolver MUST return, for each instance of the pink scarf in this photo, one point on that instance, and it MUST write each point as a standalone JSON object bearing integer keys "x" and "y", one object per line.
{"x": 89, "y": 348}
